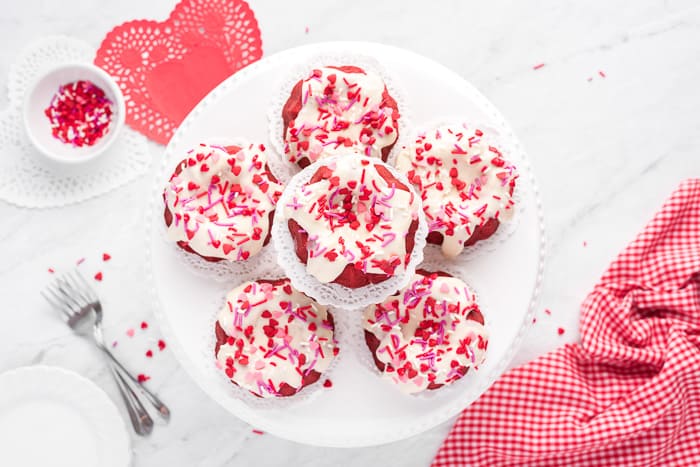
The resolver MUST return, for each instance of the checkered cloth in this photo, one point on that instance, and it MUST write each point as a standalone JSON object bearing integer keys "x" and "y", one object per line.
{"x": 629, "y": 393}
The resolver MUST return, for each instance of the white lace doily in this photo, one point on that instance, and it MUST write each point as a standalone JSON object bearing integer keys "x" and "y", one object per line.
{"x": 335, "y": 294}
{"x": 28, "y": 180}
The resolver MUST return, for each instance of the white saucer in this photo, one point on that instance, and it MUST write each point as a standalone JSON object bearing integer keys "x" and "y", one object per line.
{"x": 54, "y": 417}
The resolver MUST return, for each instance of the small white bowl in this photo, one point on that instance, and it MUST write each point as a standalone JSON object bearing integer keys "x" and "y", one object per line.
{"x": 38, "y": 98}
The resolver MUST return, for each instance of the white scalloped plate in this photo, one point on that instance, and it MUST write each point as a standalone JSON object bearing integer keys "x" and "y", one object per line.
{"x": 52, "y": 416}
{"x": 360, "y": 409}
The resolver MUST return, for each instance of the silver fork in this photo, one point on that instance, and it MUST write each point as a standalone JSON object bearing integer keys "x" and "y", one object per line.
{"x": 75, "y": 298}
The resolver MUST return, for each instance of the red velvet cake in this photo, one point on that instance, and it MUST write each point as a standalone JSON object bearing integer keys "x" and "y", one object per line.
{"x": 272, "y": 339}
{"x": 336, "y": 109}
{"x": 428, "y": 334}
{"x": 220, "y": 202}
{"x": 465, "y": 183}
{"x": 353, "y": 223}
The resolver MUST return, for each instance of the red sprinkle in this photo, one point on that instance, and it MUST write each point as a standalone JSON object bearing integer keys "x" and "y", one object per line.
{"x": 98, "y": 277}
{"x": 106, "y": 257}
{"x": 560, "y": 331}
{"x": 538, "y": 66}
{"x": 161, "y": 344}
{"x": 327, "y": 383}
{"x": 546, "y": 310}
{"x": 144, "y": 325}
{"x": 149, "y": 353}
{"x": 142, "y": 378}
{"x": 79, "y": 113}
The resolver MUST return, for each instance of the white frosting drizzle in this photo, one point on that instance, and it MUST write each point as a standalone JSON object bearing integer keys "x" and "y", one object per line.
{"x": 437, "y": 307}
{"x": 463, "y": 182}
{"x": 354, "y": 217}
{"x": 221, "y": 202}
{"x": 276, "y": 335}
{"x": 341, "y": 110}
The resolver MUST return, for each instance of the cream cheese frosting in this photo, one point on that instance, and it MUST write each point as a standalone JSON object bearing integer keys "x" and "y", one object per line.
{"x": 341, "y": 110}
{"x": 464, "y": 182}
{"x": 276, "y": 336}
{"x": 424, "y": 335}
{"x": 220, "y": 201}
{"x": 354, "y": 216}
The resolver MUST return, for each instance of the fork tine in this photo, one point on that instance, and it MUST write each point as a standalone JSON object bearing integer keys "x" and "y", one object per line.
{"x": 54, "y": 302}
{"x": 92, "y": 295}
{"x": 66, "y": 289}
{"x": 77, "y": 289}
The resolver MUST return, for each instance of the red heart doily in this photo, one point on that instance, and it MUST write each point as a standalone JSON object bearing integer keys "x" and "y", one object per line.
{"x": 165, "y": 68}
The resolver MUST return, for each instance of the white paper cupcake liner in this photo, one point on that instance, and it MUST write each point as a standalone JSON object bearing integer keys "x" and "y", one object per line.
{"x": 506, "y": 227}
{"x": 287, "y": 169}
{"x": 334, "y": 294}
{"x": 359, "y": 346}
{"x": 307, "y": 394}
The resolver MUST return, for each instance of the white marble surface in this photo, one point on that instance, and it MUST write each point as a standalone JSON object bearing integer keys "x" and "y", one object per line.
{"x": 607, "y": 152}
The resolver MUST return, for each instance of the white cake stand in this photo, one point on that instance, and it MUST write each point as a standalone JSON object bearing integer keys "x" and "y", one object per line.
{"x": 360, "y": 409}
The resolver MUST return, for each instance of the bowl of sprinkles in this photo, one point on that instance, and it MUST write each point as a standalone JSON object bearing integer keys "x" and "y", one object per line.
{"x": 73, "y": 113}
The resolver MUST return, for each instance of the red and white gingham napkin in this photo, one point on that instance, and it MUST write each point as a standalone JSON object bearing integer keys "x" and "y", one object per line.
{"x": 629, "y": 393}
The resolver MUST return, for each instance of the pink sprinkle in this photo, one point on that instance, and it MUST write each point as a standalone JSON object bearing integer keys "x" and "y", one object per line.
{"x": 585, "y": 243}
{"x": 258, "y": 432}
{"x": 130, "y": 332}
{"x": 114, "y": 344}
{"x": 534, "y": 320}
{"x": 590, "y": 78}
{"x": 602, "y": 75}
{"x": 306, "y": 30}
{"x": 80, "y": 261}
{"x": 538, "y": 66}
{"x": 51, "y": 270}
{"x": 546, "y": 310}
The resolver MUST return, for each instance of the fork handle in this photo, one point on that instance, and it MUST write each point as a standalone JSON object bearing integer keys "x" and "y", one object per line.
{"x": 140, "y": 420}
{"x": 162, "y": 409}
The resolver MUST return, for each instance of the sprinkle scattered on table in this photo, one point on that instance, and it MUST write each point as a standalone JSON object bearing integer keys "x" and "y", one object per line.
{"x": 585, "y": 243}
{"x": 538, "y": 66}
{"x": 80, "y": 261}
{"x": 106, "y": 257}
{"x": 142, "y": 378}
{"x": 51, "y": 270}
{"x": 548, "y": 311}
{"x": 114, "y": 344}
{"x": 560, "y": 331}
{"x": 601, "y": 73}
{"x": 161, "y": 344}
{"x": 306, "y": 30}
{"x": 130, "y": 332}
{"x": 327, "y": 383}
{"x": 98, "y": 277}
{"x": 258, "y": 432}
{"x": 144, "y": 325}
